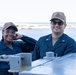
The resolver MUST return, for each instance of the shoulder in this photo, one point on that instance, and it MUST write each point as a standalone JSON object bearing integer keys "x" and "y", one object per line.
{"x": 18, "y": 43}
{"x": 1, "y": 43}
{"x": 45, "y": 36}
{"x": 68, "y": 38}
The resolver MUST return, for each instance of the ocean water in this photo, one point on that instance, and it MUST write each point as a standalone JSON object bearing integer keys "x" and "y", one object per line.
{"x": 37, "y": 33}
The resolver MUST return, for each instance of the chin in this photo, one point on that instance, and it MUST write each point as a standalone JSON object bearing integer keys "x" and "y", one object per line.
{"x": 57, "y": 32}
{"x": 9, "y": 40}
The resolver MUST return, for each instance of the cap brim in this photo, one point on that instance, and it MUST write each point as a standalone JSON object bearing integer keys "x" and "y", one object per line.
{"x": 14, "y": 27}
{"x": 57, "y": 18}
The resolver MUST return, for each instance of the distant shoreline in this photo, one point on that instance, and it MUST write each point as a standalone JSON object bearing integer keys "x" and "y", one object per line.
{"x": 38, "y": 26}
{"x": 41, "y": 26}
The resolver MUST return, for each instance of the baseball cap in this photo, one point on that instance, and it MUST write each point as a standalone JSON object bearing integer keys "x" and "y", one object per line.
{"x": 10, "y": 24}
{"x": 59, "y": 15}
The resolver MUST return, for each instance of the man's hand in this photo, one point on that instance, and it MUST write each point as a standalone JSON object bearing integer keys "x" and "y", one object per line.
{"x": 18, "y": 36}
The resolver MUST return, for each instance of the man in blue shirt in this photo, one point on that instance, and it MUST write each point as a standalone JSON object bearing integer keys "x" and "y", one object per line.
{"x": 8, "y": 45}
{"x": 57, "y": 42}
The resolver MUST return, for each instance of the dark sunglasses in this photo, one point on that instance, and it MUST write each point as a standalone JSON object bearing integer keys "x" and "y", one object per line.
{"x": 8, "y": 31}
{"x": 60, "y": 23}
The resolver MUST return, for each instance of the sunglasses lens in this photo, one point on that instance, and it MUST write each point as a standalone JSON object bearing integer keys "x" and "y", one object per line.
{"x": 7, "y": 31}
{"x": 59, "y": 23}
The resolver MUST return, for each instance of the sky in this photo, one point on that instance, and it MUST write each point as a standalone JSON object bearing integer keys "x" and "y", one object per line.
{"x": 35, "y": 10}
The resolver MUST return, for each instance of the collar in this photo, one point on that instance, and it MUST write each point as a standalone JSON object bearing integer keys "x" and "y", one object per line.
{"x": 3, "y": 45}
{"x": 61, "y": 38}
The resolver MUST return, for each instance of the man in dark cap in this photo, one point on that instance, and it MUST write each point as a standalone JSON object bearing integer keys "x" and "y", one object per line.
{"x": 8, "y": 45}
{"x": 57, "y": 42}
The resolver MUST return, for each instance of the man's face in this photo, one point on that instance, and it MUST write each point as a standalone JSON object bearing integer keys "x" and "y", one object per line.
{"x": 57, "y": 26}
{"x": 9, "y": 34}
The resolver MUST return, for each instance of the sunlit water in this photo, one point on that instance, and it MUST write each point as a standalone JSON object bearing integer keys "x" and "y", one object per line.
{"x": 36, "y": 33}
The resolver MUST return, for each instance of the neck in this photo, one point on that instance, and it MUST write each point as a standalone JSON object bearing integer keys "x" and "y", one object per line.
{"x": 56, "y": 36}
{"x": 8, "y": 43}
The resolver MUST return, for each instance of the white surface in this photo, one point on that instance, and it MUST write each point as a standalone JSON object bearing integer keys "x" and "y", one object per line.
{"x": 65, "y": 65}
{"x": 39, "y": 68}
